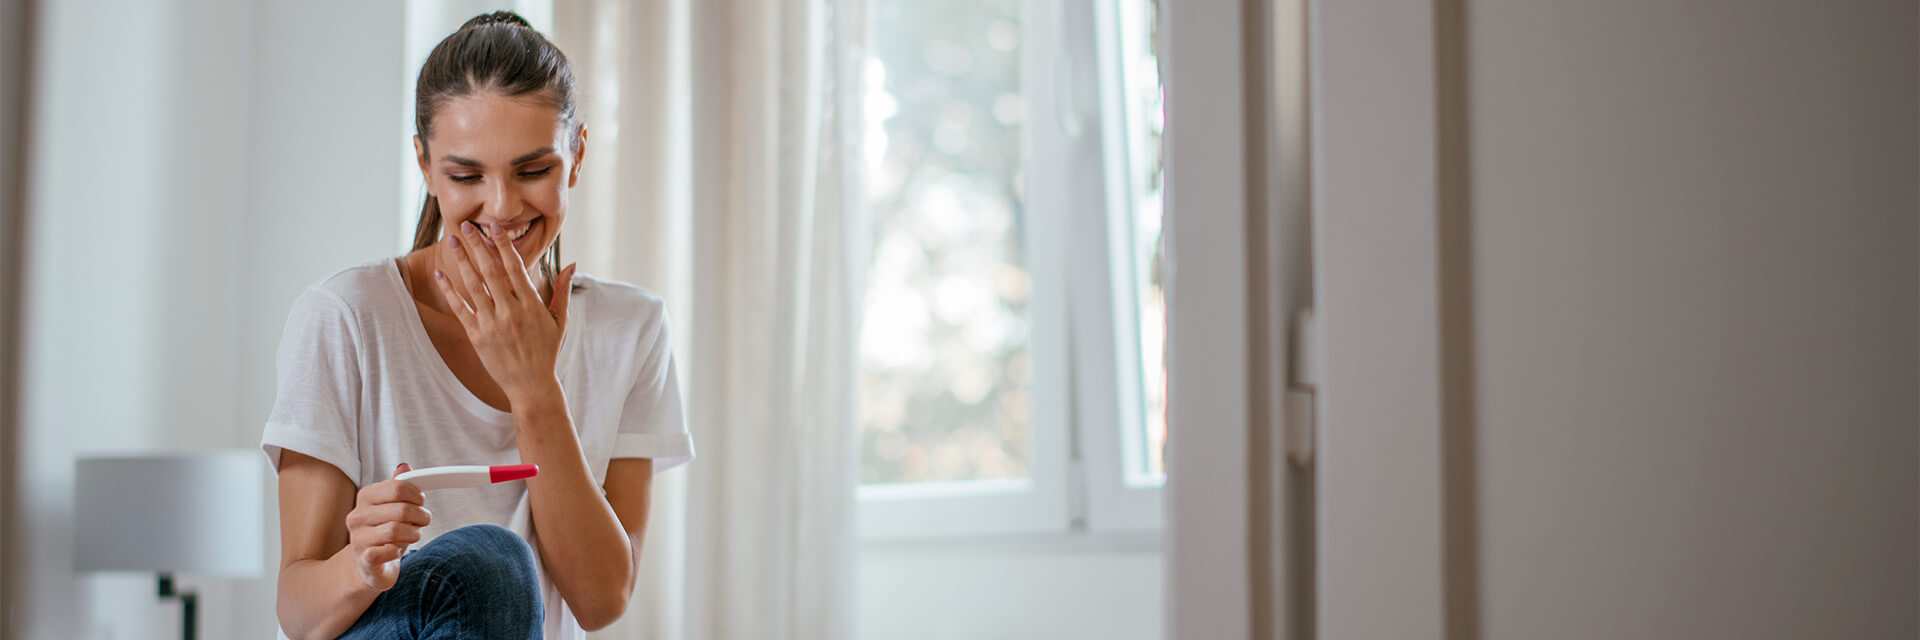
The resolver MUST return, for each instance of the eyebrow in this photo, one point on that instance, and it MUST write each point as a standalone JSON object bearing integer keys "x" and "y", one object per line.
{"x": 523, "y": 159}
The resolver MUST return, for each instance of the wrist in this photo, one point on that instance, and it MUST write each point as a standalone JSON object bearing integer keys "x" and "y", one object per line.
{"x": 536, "y": 394}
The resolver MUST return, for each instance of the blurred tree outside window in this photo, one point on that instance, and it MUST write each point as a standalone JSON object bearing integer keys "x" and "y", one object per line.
{"x": 944, "y": 360}
{"x": 946, "y": 369}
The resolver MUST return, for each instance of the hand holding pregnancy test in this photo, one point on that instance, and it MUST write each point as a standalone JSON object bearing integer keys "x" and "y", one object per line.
{"x": 468, "y": 475}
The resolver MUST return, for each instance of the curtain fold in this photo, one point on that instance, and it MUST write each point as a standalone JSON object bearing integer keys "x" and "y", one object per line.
{"x": 721, "y": 173}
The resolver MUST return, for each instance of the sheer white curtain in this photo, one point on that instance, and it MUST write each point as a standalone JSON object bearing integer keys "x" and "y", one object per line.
{"x": 721, "y": 172}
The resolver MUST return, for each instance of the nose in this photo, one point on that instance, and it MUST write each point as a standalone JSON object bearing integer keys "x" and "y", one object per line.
{"x": 505, "y": 203}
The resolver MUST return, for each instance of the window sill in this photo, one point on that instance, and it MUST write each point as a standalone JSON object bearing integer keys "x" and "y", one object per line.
{"x": 1036, "y": 543}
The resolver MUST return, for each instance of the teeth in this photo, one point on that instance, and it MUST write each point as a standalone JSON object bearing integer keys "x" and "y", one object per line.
{"x": 515, "y": 234}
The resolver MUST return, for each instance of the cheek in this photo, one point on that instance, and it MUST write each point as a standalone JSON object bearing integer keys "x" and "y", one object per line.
{"x": 456, "y": 207}
{"x": 547, "y": 192}
{"x": 548, "y": 197}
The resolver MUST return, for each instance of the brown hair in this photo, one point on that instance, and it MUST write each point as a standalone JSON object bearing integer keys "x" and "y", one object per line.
{"x": 501, "y": 53}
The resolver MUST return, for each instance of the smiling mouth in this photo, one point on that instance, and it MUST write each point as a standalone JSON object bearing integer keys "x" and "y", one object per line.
{"x": 523, "y": 237}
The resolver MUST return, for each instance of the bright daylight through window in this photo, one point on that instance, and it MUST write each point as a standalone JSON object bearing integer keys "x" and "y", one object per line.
{"x": 953, "y": 360}
{"x": 944, "y": 359}
{"x": 1143, "y": 121}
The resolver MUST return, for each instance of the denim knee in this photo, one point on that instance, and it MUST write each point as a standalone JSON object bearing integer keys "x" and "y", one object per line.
{"x": 494, "y": 568}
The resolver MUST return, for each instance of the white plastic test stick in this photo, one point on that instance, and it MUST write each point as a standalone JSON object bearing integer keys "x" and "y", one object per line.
{"x": 463, "y": 476}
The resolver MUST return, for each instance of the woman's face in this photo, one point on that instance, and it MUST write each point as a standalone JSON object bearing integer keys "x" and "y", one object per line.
{"x": 497, "y": 159}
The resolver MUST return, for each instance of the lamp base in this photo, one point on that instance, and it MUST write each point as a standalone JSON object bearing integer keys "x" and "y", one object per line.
{"x": 189, "y": 603}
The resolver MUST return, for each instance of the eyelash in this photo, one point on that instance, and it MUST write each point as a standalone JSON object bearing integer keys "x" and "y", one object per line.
{"x": 524, "y": 174}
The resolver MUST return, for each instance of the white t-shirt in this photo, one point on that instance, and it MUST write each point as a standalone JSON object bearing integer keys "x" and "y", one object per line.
{"x": 361, "y": 387}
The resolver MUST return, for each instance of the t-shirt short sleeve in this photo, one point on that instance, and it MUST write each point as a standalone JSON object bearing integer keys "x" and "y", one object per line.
{"x": 652, "y": 422}
{"x": 317, "y": 399}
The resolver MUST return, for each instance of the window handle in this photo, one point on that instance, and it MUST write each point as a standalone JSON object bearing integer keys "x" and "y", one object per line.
{"x": 1303, "y": 386}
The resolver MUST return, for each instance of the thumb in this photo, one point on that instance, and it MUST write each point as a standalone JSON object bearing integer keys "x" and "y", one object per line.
{"x": 403, "y": 468}
{"x": 562, "y": 293}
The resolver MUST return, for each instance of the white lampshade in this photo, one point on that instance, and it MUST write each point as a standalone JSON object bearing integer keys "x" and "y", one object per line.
{"x": 193, "y": 512}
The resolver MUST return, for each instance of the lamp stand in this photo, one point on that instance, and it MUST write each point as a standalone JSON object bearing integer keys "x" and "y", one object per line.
{"x": 188, "y": 603}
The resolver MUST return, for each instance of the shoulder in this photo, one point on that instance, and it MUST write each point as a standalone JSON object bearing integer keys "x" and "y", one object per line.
{"x": 619, "y": 303}
{"x": 359, "y": 286}
{"x": 347, "y": 299}
{"x": 619, "y": 318}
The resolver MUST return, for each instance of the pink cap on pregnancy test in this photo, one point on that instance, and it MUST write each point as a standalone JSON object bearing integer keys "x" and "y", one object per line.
{"x": 506, "y": 472}
{"x": 463, "y": 476}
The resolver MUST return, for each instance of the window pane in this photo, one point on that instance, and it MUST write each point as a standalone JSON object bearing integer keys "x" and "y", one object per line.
{"x": 1144, "y": 120}
{"x": 944, "y": 361}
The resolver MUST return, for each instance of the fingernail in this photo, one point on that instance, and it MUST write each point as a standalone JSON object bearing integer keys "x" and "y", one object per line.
{"x": 439, "y": 276}
{"x": 494, "y": 228}
{"x": 453, "y": 241}
{"x": 469, "y": 227}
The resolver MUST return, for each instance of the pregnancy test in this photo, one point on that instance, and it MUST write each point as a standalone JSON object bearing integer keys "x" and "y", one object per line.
{"x": 469, "y": 475}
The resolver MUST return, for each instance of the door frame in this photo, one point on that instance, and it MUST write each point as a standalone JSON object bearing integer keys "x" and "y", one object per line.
{"x": 1376, "y": 195}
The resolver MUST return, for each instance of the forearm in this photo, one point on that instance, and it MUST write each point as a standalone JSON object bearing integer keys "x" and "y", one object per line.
{"x": 580, "y": 540}
{"x": 322, "y": 598}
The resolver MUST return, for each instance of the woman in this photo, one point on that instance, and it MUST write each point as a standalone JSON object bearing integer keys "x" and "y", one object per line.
{"x": 474, "y": 348}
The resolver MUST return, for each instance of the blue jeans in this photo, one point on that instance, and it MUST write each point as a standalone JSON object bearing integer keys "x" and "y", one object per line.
{"x": 476, "y": 581}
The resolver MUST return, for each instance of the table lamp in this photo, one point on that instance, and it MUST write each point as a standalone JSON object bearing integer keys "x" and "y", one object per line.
{"x": 198, "y": 512}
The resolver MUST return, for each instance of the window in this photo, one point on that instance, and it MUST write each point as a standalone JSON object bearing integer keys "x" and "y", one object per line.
{"x": 945, "y": 369}
{"x": 1139, "y": 249}
{"x": 1011, "y": 379}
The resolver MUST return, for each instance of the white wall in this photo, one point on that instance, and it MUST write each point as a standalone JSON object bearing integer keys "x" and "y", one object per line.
{"x": 1676, "y": 281}
{"x": 130, "y": 261}
{"x": 1692, "y": 279}
{"x": 1038, "y": 590}
{"x": 196, "y": 163}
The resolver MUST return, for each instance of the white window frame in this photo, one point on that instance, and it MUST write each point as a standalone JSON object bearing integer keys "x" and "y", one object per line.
{"x": 1082, "y": 300}
{"x": 1113, "y": 401}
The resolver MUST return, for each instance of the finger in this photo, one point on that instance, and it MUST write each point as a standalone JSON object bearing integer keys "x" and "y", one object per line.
{"x": 405, "y": 492}
{"x": 494, "y": 275}
{"x": 562, "y": 294}
{"x": 391, "y": 491}
{"x": 467, "y": 274}
{"x": 399, "y": 533}
{"x": 392, "y": 533}
{"x": 515, "y": 271}
{"x": 465, "y": 283}
{"x": 461, "y": 311}
{"x": 403, "y": 468}
{"x": 379, "y": 555}
{"x": 402, "y": 512}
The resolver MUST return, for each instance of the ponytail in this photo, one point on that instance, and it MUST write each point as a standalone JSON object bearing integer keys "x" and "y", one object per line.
{"x": 428, "y": 229}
